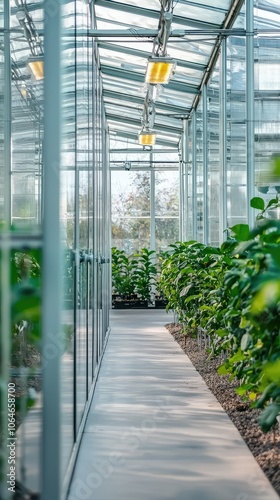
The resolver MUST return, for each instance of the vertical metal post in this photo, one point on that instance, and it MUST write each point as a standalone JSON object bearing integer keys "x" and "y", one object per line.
{"x": 152, "y": 205}
{"x": 186, "y": 176}
{"x": 7, "y": 115}
{"x": 5, "y": 243}
{"x": 205, "y": 165}
{"x": 250, "y": 130}
{"x": 194, "y": 177}
{"x": 223, "y": 143}
{"x": 51, "y": 474}
{"x": 181, "y": 190}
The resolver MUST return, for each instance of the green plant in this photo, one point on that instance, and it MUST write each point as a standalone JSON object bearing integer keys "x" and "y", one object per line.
{"x": 145, "y": 273}
{"x": 233, "y": 292}
{"x": 123, "y": 273}
{"x": 254, "y": 291}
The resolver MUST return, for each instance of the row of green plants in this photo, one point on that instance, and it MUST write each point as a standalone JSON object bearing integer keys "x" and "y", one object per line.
{"x": 135, "y": 276}
{"x": 233, "y": 293}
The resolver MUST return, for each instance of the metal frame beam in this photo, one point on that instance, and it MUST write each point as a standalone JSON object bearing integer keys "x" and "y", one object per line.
{"x": 134, "y": 138}
{"x": 205, "y": 165}
{"x": 250, "y": 125}
{"x": 169, "y": 129}
{"x": 227, "y": 27}
{"x": 223, "y": 143}
{"x": 141, "y": 53}
{"x": 150, "y": 33}
{"x": 154, "y": 14}
{"x": 139, "y": 77}
{"x": 7, "y": 111}
{"x": 139, "y": 100}
{"x": 51, "y": 324}
{"x": 194, "y": 177}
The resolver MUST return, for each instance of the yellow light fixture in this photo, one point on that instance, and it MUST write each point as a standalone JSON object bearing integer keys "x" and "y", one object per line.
{"x": 159, "y": 70}
{"x": 23, "y": 91}
{"x": 36, "y": 67}
{"x": 147, "y": 138}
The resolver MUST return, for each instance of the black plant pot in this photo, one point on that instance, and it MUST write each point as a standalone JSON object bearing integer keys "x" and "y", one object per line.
{"x": 160, "y": 303}
{"x": 123, "y": 304}
{"x": 141, "y": 304}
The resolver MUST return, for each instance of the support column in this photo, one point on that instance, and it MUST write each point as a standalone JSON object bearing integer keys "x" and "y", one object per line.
{"x": 51, "y": 453}
{"x": 7, "y": 115}
{"x": 250, "y": 94}
{"x": 5, "y": 257}
{"x": 181, "y": 191}
{"x": 186, "y": 178}
{"x": 223, "y": 143}
{"x": 194, "y": 178}
{"x": 205, "y": 166}
{"x": 152, "y": 205}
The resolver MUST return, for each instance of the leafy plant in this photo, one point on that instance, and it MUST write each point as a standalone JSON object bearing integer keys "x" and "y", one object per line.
{"x": 123, "y": 273}
{"x": 145, "y": 273}
{"x": 233, "y": 292}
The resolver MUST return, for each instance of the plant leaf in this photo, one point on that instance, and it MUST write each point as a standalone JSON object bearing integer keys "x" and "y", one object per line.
{"x": 257, "y": 203}
{"x": 241, "y": 232}
{"x": 246, "y": 341}
{"x": 269, "y": 416}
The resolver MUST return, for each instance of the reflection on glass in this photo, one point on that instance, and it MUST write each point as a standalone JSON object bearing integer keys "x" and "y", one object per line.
{"x": 26, "y": 364}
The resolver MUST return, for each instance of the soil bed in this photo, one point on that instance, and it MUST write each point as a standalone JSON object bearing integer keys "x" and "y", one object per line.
{"x": 264, "y": 447}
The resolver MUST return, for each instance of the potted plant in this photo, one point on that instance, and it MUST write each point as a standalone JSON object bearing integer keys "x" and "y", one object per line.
{"x": 123, "y": 278}
{"x": 145, "y": 276}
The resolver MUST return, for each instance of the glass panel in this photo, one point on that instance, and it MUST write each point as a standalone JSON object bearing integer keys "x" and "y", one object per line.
{"x": 130, "y": 210}
{"x": 68, "y": 225}
{"x": 267, "y": 109}
{"x": 214, "y": 156}
{"x": 166, "y": 208}
{"x": 199, "y": 172}
{"x": 236, "y": 132}
{"x": 189, "y": 231}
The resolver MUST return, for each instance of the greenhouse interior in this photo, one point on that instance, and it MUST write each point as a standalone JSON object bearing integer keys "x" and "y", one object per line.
{"x": 139, "y": 181}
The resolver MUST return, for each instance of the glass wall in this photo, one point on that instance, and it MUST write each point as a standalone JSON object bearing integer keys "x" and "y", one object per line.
{"x": 144, "y": 184}
{"x": 85, "y": 220}
{"x": 28, "y": 346}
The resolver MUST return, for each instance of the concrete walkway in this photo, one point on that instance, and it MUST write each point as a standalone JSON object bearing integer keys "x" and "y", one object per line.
{"x": 155, "y": 431}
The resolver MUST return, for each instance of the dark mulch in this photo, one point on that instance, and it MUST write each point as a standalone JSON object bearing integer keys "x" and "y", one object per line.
{"x": 264, "y": 447}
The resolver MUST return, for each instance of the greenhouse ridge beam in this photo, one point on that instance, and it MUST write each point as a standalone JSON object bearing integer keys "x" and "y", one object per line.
{"x": 134, "y": 137}
{"x": 178, "y": 33}
{"x": 134, "y": 150}
{"x": 139, "y": 77}
{"x": 173, "y": 130}
{"x": 139, "y": 100}
{"x": 142, "y": 53}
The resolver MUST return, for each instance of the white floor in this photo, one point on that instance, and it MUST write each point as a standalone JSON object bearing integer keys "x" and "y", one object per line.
{"x": 155, "y": 431}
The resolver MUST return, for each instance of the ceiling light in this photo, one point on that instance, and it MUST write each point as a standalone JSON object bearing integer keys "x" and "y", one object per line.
{"x": 23, "y": 91}
{"x": 159, "y": 70}
{"x": 36, "y": 67}
{"x": 147, "y": 138}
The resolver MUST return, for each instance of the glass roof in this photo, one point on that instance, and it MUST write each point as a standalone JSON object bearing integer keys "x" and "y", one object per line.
{"x": 123, "y": 59}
